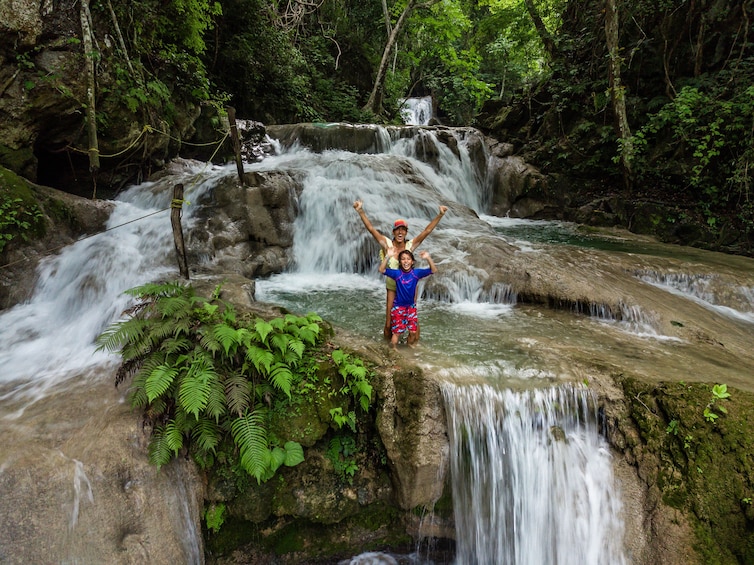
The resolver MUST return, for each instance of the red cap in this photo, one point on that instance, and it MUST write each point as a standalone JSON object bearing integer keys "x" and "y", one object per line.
{"x": 400, "y": 224}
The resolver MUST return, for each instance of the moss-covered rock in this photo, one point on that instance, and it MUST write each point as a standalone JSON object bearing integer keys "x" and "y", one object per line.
{"x": 696, "y": 448}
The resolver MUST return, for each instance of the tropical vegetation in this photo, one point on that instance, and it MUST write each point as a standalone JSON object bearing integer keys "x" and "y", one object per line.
{"x": 209, "y": 379}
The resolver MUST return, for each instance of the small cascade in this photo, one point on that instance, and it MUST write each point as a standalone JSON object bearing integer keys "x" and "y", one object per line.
{"x": 532, "y": 478}
{"x": 81, "y": 290}
{"x": 710, "y": 291}
{"x": 416, "y": 111}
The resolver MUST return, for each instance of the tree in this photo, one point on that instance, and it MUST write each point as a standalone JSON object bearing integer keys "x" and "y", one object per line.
{"x": 617, "y": 90}
{"x": 374, "y": 104}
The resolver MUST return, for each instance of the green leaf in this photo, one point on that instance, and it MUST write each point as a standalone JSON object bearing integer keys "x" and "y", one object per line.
{"x": 281, "y": 377}
{"x": 263, "y": 329}
{"x": 260, "y": 358}
{"x": 294, "y": 454}
{"x": 159, "y": 381}
{"x": 250, "y": 434}
{"x": 206, "y": 434}
{"x": 173, "y": 437}
{"x": 158, "y": 450}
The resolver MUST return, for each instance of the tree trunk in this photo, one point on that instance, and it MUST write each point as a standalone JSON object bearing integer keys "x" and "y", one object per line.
{"x": 617, "y": 90}
{"x": 374, "y": 104}
{"x": 91, "y": 114}
{"x": 545, "y": 36}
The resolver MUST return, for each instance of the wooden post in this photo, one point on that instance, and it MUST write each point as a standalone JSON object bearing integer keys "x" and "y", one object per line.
{"x": 236, "y": 143}
{"x": 175, "y": 220}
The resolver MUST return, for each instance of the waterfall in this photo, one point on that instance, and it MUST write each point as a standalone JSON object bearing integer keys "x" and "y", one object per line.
{"x": 532, "y": 478}
{"x": 416, "y": 111}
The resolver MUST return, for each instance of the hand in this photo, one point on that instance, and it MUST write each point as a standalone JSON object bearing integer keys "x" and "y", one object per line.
{"x": 424, "y": 255}
{"x": 391, "y": 252}
{"x": 443, "y": 209}
{"x": 358, "y": 205}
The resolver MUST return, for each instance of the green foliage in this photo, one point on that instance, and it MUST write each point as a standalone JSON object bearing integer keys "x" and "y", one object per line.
{"x": 719, "y": 392}
{"x": 354, "y": 374}
{"x": 701, "y": 468}
{"x": 16, "y": 219}
{"x": 340, "y": 452}
{"x": 712, "y": 126}
{"x": 203, "y": 375}
{"x": 214, "y": 516}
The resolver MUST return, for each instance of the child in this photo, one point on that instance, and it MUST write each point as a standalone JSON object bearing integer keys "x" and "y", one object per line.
{"x": 403, "y": 315}
{"x": 399, "y": 241}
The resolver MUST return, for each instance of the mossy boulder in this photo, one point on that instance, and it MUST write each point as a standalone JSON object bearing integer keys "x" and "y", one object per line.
{"x": 696, "y": 448}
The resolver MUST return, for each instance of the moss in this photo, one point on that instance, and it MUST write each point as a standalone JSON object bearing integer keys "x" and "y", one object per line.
{"x": 704, "y": 464}
{"x": 20, "y": 214}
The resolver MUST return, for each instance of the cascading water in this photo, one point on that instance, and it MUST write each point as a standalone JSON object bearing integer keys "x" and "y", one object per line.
{"x": 48, "y": 358}
{"x": 417, "y": 111}
{"x": 538, "y": 488}
{"x": 532, "y": 478}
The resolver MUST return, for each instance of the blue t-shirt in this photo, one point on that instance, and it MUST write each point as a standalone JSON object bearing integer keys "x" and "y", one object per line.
{"x": 405, "y": 284}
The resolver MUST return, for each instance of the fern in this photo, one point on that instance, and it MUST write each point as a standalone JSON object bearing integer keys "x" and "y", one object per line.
{"x": 250, "y": 434}
{"x": 202, "y": 377}
{"x": 238, "y": 393}
{"x": 195, "y": 387}
{"x": 207, "y": 435}
{"x": 282, "y": 377}
{"x": 158, "y": 451}
{"x": 261, "y": 359}
{"x": 159, "y": 380}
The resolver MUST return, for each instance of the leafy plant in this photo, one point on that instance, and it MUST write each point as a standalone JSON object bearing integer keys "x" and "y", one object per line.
{"x": 340, "y": 453}
{"x": 214, "y": 516}
{"x": 354, "y": 374}
{"x": 719, "y": 392}
{"x": 16, "y": 219}
{"x": 202, "y": 375}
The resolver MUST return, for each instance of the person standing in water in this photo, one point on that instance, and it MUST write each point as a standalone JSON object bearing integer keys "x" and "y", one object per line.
{"x": 403, "y": 315}
{"x": 399, "y": 243}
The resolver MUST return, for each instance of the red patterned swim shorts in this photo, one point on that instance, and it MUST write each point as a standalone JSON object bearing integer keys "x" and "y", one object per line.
{"x": 403, "y": 318}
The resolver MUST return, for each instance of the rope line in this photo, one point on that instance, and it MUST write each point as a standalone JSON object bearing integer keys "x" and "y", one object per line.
{"x": 51, "y": 250}
{"x": 149, "y": 129}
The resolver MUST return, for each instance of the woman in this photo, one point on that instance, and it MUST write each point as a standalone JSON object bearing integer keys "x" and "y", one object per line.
{"x": 399, "y": 243}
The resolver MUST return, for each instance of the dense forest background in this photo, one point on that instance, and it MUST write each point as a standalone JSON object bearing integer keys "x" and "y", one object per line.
{"x": 647, "y": 102}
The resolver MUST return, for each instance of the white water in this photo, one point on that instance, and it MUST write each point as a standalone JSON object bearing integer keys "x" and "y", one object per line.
{"x": 49, "y": 340}
{"x": 417, "y": 111}
{"x": 532, "y": 478}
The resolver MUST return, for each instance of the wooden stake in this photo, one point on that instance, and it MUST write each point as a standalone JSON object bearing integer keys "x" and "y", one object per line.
{"x": 175, "y": 220}
{"x": 236, "y": 143}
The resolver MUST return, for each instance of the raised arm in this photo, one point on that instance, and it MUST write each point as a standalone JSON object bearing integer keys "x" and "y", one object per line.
{"x": 391, "y": 252}
{"x": 358, "y": 206}
{"x": 419, "y": 238}
{"x": 424, "y": 255}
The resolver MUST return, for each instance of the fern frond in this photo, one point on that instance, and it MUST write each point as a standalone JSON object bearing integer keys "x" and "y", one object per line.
{"x": 206, "y": 434}
{"x": 216, "y": 401}
{"x": 280, "y": 342}
{"x": 173, "y": 345}
{"x": 229, "y": 337}
{"x": 171, "y": 306}
{"x": 297, "y": 346}
{"x": 159, "y": 380}
{"x": 158, "y": 450}
{"x": 261, "y": 359}
{"x": 194, "y": 389}
{"x": 238, "y": 393}
{"x": 262, "y": 329}
{"x": 309, "y": 333}
{"x": 250, "y": 435}
{"x": 173, "y": 437}
{"x": 281, "y": 376}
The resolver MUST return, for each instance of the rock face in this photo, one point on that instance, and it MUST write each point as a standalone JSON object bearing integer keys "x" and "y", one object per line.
{"x": 64, "y": 218}
{"x": 83, "y": 491}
